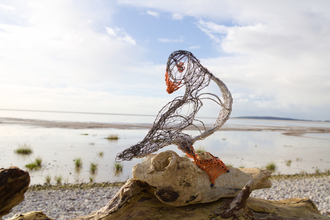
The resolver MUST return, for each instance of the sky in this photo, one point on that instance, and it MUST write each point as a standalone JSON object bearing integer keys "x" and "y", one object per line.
{"x": 110, "y": 56}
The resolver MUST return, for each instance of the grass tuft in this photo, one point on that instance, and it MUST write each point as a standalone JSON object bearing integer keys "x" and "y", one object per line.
{"x": 78, "y": 162}
{"x": 287, "y": 145}
{"x": 32, "y": 166}
{"x": 288, "y": 162}
{"x": 93, "y": 168}
{"x": 48, "y": 179}
{"x": 118, "y": 167}
{"x": 91, "y": 179}
{"x": 24, "y": 149}
{"x": 38, "y": 161}
{"x": 112, "y": 137}
{"x": 100, "y": 153}
{"x": 58, "y": 179}
{"x": 271, "y": 166}
{"x": 35, "y": 165}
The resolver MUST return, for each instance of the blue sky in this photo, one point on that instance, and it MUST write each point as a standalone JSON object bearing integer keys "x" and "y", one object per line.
{"x": 110, "y": 56}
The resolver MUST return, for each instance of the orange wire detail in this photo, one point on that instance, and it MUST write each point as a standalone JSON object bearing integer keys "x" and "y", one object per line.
{"x": 213, "y": 167}
{"x": 171, "y": 86}
{"x": 180, "y": 67}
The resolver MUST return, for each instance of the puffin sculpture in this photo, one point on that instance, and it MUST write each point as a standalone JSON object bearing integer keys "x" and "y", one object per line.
{"x": 183, "y": 69}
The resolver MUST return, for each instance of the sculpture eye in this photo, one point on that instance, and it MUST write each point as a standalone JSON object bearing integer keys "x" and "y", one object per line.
{"x": 180, "y": 67}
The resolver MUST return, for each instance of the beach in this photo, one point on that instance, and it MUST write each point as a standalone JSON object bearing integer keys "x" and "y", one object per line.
{"x": 240, "y": 143}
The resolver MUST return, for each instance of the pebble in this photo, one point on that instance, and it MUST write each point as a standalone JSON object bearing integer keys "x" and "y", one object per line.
{"x": 71, "y": 203}
{"x": 65, "y": 203}
{"x": 316, "y": 189}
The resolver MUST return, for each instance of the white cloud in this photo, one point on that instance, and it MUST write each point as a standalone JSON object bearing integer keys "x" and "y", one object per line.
{"x": 52, "y": 51}
{"x": 167, "y": 40}
{"x": 193, "y": 47}
{"x": 177, "y": 16}
{"x": 153, "y": 13}
{"x": 278, "y": 51}
{"x": 7, "y": 7}
{"x": 274, "y": 54}
{"x": 120, "y": 35}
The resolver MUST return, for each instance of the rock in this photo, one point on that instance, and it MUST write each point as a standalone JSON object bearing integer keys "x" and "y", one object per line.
{"x": 13, "y": 184}
{"x": 179, "y": 182}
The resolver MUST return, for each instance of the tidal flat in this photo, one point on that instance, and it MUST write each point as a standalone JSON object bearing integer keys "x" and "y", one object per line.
{"x": 241, "y": 143}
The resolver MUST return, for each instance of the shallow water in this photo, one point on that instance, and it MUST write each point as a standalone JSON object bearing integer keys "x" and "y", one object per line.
{"x": 58, "y": 147}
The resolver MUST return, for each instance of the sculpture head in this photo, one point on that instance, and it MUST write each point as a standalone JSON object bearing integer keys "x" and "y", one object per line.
{"x": 183, "y": 68}
{"x": 176, "y": 70}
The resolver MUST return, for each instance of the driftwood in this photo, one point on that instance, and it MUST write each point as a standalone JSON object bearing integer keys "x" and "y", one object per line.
{"x": 188, "y": 184}
{"x": 13, "y": 184}
{"x": 136, "y": 200}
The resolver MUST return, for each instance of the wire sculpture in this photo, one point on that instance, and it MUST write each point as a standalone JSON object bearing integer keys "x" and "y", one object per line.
{"x": 183, "y": 69}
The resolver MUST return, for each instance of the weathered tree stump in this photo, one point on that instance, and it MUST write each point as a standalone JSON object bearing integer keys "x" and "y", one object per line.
{"x": 13, "y": 184}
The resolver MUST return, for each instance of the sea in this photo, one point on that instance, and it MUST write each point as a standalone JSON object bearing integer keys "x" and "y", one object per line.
{"x": 59, "y": 148}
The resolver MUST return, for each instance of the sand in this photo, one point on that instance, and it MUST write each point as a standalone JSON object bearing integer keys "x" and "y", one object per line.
{"x": 287, "y": 130}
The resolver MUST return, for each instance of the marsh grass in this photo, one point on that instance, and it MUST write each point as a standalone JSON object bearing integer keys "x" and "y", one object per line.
{"x": 91, "y": 179}
{"x": 100, "y": 153}
{"x": 112, "y": 137}
{"x": 200, "y": 150}
{"x": 303, "y": 172}
{"x": 24, "y": 149}
{"x": 93, "y": 168}
{"x": 78, "y": 162}
{"x": 271, "y": 166}
{"x": 287, "y": 145}
{"x": 58, "y": 179}
{"x": 229, "y": 165}
{"x": 38, "y": 161}
{"x": 317, "y": 170}
{"x": 84, "y": 134}
{"x": 32, "y": 166}
{"x": 118, "y": 167}
{"x": 35, "y": 165}
{"x": 288, "y": 162}
{"x": 48, "y": 179}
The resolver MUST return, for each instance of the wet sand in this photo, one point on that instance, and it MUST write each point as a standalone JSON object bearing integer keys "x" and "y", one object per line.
{"x": 286, "y": 130}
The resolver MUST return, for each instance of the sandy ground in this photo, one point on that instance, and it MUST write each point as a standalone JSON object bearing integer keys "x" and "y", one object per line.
{"x": 287, "y": 130}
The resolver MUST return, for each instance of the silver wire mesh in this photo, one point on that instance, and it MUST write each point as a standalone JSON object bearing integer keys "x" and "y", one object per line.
{"x": 183, "y": 70}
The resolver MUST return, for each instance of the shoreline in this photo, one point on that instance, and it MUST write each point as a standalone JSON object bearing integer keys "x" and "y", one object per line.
{"x": 72, "y": 186}
{"x": 286, "y": 130}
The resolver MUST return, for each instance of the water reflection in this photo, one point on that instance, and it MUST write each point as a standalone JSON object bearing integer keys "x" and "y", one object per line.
{"x": 58, "y": 149}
